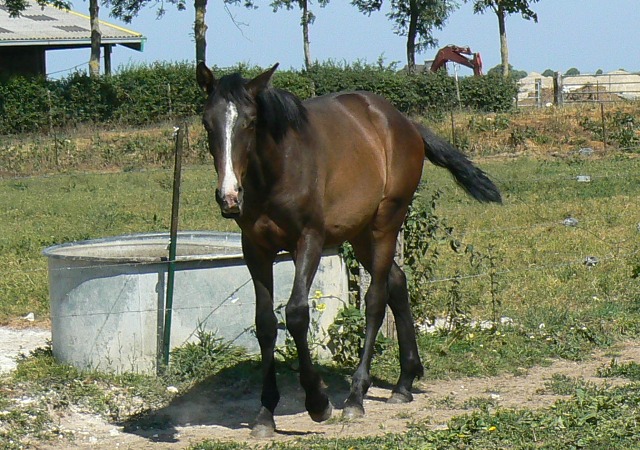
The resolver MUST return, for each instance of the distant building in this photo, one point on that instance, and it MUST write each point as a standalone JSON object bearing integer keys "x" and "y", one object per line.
{"x": 25, "y": 40}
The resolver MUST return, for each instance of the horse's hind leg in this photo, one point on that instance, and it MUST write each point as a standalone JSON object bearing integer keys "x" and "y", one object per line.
{"x": 375, "y": 252}
{"x": 410, "y": 365}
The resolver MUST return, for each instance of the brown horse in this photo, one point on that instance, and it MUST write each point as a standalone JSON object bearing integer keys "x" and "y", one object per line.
{"x": 301, "y": 176}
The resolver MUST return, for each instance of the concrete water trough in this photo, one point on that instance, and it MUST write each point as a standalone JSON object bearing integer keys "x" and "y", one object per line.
{"x": 107, "y": 296}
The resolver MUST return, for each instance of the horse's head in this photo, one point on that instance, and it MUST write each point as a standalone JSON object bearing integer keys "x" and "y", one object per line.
{"x": 230, "y": 116}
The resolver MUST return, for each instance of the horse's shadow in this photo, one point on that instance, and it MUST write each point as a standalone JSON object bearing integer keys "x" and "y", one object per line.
{"x": 231, "y": 399}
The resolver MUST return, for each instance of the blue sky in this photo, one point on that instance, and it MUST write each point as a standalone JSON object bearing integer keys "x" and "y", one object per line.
{"x": 586, "y": 34}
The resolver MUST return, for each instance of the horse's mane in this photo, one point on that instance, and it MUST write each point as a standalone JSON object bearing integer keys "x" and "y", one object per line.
{"x": 278, "y": 110}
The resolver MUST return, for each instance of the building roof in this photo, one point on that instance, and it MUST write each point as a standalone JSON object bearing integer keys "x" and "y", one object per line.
{"x": 59, "y": 28}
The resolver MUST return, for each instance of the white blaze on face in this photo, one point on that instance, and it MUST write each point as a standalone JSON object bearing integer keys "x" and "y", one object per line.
{"x": 229, "y": 180}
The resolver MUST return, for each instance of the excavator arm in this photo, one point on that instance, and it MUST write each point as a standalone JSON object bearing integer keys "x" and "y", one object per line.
{"x": 457, "y": 54}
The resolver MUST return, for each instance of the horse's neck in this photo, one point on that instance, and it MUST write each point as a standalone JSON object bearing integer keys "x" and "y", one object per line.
{"x": 265, "y": 168}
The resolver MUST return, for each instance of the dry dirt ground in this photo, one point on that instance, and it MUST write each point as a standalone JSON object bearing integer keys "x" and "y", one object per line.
{"x": 215, "y": 412}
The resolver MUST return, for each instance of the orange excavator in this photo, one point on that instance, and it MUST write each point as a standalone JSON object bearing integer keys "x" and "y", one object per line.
{"x": 457, "y": 54}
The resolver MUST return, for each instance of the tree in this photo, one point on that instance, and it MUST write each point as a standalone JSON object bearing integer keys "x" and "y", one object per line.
{"x": 307, "y": 18}
{"x": 513, "y": 73}
{"x": 572, "y": 72}
{"x": 415, "y": 19}
{"x": 16, "y": 7}
{"x": 502, "y": 9}
{"x": 126, "y": 10}
{"x": 200, "y": 30}
{"x": 96, "y": 39}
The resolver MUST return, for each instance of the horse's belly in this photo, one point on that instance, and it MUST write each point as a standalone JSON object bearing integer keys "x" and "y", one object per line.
{"x": 348, "y": 212}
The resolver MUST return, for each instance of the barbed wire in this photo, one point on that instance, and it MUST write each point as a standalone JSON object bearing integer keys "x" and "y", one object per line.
{"x": 68, "y": 69}
{"x": 162, "y": 262}
{"x": 543, "y": 220}
{"x": 207, "y": 166}
{"x": 584, "y": 262}
{"x": 583, "y": 175}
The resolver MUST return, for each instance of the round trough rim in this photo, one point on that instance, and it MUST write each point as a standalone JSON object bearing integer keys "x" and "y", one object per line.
{"x": 195, "y": 239}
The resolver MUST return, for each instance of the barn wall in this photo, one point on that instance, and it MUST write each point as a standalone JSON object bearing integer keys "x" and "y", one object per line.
{"x": 22, "y": 61}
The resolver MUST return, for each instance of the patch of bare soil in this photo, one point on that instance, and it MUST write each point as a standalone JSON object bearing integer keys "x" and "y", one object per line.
{"x": 14, "y": 342}
{"x": 211, "y": 411}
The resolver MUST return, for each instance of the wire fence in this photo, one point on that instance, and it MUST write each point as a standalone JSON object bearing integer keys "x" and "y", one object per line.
{"x": 537, "y": 90}
{"x": 621, "y": 249}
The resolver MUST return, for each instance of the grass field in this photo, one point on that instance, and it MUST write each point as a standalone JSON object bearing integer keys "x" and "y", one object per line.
{"x": 519, "y": 260}
{"x": 539, "y": 262}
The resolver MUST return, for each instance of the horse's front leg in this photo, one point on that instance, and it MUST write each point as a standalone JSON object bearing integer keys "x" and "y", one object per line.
{"x": 307, "y": 258}
{"x": 260, "y": 266}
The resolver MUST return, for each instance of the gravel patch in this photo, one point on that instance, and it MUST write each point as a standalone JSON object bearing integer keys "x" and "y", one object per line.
{"x": 14, "y": 342}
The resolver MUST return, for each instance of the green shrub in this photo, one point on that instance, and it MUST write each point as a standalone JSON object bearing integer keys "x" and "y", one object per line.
{"x": 489, "y": 94}
{"x": 159, "y": 91}
{"x": 24, "y": 105}
{"x": 88, "y": 100}
{"x": 143, "y": 94}
{"x": 195, "y": 361}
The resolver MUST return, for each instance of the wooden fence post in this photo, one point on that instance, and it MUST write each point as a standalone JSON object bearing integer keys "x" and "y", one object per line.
{"x": 557, "y": 89}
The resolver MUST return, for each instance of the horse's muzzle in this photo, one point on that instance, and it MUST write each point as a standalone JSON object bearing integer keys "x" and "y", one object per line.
{"x": 230, "y": 204}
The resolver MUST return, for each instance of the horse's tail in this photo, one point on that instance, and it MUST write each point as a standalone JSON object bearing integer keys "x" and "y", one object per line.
{"x": 472, "y": 179}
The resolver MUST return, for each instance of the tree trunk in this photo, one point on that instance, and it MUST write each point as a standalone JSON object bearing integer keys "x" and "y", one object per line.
{"x": 411, "y": 36}
{"x": 96, "y": 37}
{"x": 200, "y": 30}
{"x": 504, "y": 48}
{"x": 305, "y": 33}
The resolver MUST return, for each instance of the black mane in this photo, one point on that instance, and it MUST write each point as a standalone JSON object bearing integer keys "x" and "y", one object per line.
{"x": 278, "y": 110}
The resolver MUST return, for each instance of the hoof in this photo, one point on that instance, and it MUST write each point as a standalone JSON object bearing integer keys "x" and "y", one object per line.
{"x": 400, "y": 397}
{"x": 353, "y": 412}
{"x": 323, "y": 415}
{"x": 261, "y": 431}
{"x": 264, "y": 426}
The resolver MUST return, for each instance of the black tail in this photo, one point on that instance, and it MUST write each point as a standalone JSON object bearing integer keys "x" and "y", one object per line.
{"x": 472, "y": 179}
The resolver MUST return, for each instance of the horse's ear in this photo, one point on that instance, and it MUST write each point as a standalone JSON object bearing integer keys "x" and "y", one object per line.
{"x": 261, "y": 81}
{"x": 205, "y": 78}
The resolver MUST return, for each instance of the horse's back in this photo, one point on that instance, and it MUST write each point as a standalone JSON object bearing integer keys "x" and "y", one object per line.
{"x": 360, "y": 127}
{"x": 370, "y": 153}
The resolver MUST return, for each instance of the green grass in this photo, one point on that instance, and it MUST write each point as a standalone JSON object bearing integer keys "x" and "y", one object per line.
{"x": 592, "y": 418}
{"x": 630, "y": 370}
{"x": 539, "y": 265}
{"x": 43, "y": 211}
{"x": 540, "y": 261}
{"x": 558, "y": 305}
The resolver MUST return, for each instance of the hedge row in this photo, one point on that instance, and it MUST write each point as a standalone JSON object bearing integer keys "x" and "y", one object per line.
{"x": 150, "y": 93}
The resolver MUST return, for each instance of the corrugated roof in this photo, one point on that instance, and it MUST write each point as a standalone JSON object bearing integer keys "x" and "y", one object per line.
{"x": 51, "y": 26}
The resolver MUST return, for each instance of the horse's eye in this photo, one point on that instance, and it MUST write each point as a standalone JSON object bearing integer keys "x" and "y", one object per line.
{"x": 248, "y": 122}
